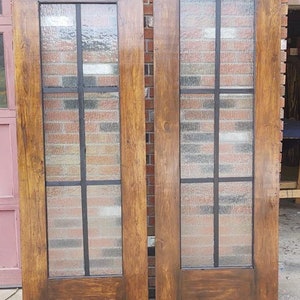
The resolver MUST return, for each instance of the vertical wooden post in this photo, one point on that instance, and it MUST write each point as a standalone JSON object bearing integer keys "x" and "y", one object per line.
{"x": 30, "y": 149}
{"x": 267, "y": 145}
{"x": 133, "y": 158}
{"x": 167, "y": 177}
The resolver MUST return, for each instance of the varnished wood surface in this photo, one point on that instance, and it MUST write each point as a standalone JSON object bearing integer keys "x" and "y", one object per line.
{"x": 86, "y": 288}
{"x": 166, "y": 89}
{"x": 267, "y": 145}
{"x": 30, "y": 150}
{"x": 36, "y": 285}
{"x": 217, "y": 284}
{"x": 133, "y": 148}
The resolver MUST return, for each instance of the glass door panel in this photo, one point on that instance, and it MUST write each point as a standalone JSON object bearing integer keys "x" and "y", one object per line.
{"x": 215, "y": 174}
{"x": 216, "y": 123}
{"x": 82, "y": 138}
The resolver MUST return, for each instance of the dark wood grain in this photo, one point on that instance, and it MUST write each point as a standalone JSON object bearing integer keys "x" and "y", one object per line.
{"x": 166, "y": 89}
{"x": 267, "y": 148}
{"x": 30, "y": 149}
{"x": 86, "y": 288}
{"x": 217, "y": 284}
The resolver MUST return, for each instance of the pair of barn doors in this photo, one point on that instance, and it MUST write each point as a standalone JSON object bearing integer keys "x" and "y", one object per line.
{"x": 81, "y": 144}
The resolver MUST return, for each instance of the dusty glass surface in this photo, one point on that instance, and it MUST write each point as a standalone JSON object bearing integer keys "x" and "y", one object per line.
{"x": 197, "y": 44}
{"x": 235, "y": 238}
{"x": 197, "y": 231}
{"x": 3, "y": 96}
{"x": 65, "y": 243}
{"x": 237, "y": 44}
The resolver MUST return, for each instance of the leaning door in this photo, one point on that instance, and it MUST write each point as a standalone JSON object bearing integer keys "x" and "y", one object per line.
{"x": 217, "y": 139}
{"x": 79, "y": 71}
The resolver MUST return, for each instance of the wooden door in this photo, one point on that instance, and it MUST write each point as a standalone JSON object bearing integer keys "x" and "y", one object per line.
{"x": 10, "y": 265}
{"x": 80, "y": 90}
{"x": 217, "y": 141}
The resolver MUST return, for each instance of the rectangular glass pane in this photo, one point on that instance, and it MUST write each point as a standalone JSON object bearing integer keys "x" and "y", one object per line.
{"x": 3, "y": 96}
{"x": 105, "y": 229}
{"x": 236, "y": 135}
{"x": 197, "y": 136}
{"x": 59, "y": 46}
{"x": 7, "y": 188}
{"x": 102, "y": 136}
{"x": 197, "y": 44}
{"x": 237, "y": 44}
{"x": 100, "y": 45}
{"x": 197, "y": 244}
{"x": 65, "y": 244}
{"x": 236, "y": 208}
{"x": 62, "y": 149}
{"x": 1, "y": 11}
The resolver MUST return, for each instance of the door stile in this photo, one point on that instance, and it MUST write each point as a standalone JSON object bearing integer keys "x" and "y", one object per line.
{"x": 30, "y": 149}
{"x": 166, "y": 68}
{"x": 267, "y": 148}
{"x": 133, "y": 149}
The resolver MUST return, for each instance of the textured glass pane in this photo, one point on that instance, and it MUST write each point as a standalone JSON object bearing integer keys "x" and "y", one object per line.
{"x": 100, "y": 45}
{"x": 61, "y": 126}
{"x": 197, "y": 136}
{"x": 236, "y": 135}
{"x": 197, "y": 245}
{"x": 102, "y": 136}
{"x": 64, "y": 231}
{"x": 105, "y": 229}
{"x": 58, "y": 43}
{"x": 3, "y": 97}
{"x": 197, "y": 43}
{"x": 237, "y": 43}
{"x": 236, "y": 224}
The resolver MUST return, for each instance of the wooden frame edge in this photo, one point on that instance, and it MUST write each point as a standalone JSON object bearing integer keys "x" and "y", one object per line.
{"x": 30, "y": 149}
{"x": 267, "y": 147}
{"x": 133, "y": 149}
{"x": 167, "y": 168}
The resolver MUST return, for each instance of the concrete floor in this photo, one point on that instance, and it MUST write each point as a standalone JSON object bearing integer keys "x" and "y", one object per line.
{"x": 289, "y": 250}
{"x": 289, "y": 255}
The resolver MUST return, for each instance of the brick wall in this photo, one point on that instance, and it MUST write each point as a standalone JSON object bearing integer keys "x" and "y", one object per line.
{"x": 149, "y": 104}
